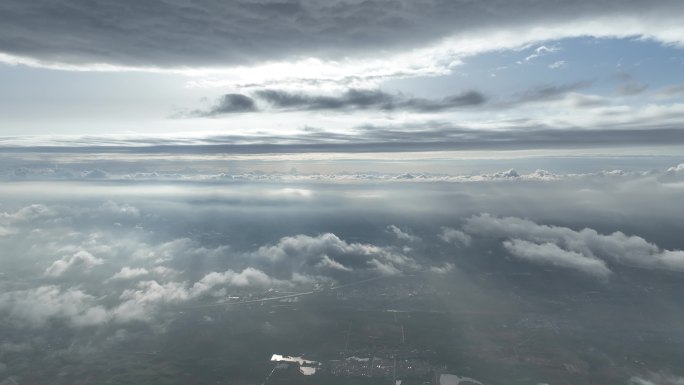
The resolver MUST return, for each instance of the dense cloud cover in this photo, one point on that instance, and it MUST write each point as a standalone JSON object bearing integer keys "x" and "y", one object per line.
{"x": 141, "y": 274}
{"x": 398, "y": 137}
{"x": 151, "y": 250}
{"x": 116, "y": 262}
{"x": 212, "y": 33}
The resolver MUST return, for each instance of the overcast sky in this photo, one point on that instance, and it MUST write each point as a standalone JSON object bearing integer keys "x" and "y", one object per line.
{"x": 447, "y": 74}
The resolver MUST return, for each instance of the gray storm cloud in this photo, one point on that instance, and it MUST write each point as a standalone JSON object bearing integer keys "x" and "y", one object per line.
{"x": 170, "y": 33}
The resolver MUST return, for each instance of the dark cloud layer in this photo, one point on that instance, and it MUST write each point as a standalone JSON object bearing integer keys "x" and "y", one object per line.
{"x": 368, "y": 99}
{"x": 429, "y": 136}
{"x": 230, "y": 103}
{"x": 374, "y": 99}
{"x": 359, "y": 99}
{"x": 352, "y": 99}
{"x": 173, "y": 33}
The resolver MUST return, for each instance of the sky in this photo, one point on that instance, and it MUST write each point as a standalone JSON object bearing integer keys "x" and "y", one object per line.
{"x": 163, "y": 154}
{"x": 448, "y": 74}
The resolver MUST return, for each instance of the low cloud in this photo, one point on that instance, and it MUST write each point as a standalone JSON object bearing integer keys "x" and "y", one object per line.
{"x": 656, "y": 379}
{"x": 143, "y": 302}
{"x": 552, "y": 254}
{"x": 678, "y": 169}
{"x": 444, "y": 269}
{"x": 129, "y": 273}
{"x": 327, "y": 254}
{"x": 81, "y": 260}
{"x": 175, "y": 272}
{"x": 401, "y": 234}
{"x": 327, "y": 263}
{"x": 156, "y": 236}
{"x": 247, "y": 277}
{"x": 30, "y": 213}
{"x": 586, "y": 250}
{"x": 37, "y": 306}
{"x": 454, "y": 236}
{"x": 45, "y": 303}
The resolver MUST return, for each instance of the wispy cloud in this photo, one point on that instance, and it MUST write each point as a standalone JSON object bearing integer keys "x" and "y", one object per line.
{"x": 628, "y": 85}
{"x": 558, "y": 64}
{"x": 542, "y": 50}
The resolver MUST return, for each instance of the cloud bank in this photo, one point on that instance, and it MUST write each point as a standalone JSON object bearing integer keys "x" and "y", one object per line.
{"x": 425, "y": 136}
{"x": 136, "y": 277}
{"x": 585, "y": 250}
{"x": 208, "y": 33}
{"x": 327, "y": 254}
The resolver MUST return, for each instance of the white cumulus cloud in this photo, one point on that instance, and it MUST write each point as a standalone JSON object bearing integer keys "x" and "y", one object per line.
{"x": 530, "y": 240}
{"x": 401, "y": 234}
{"x": 81, "y": 259}
{"x": 39, "y": 305}
{"x": 130, "y": 272}
{"x": 552, "y": 254}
